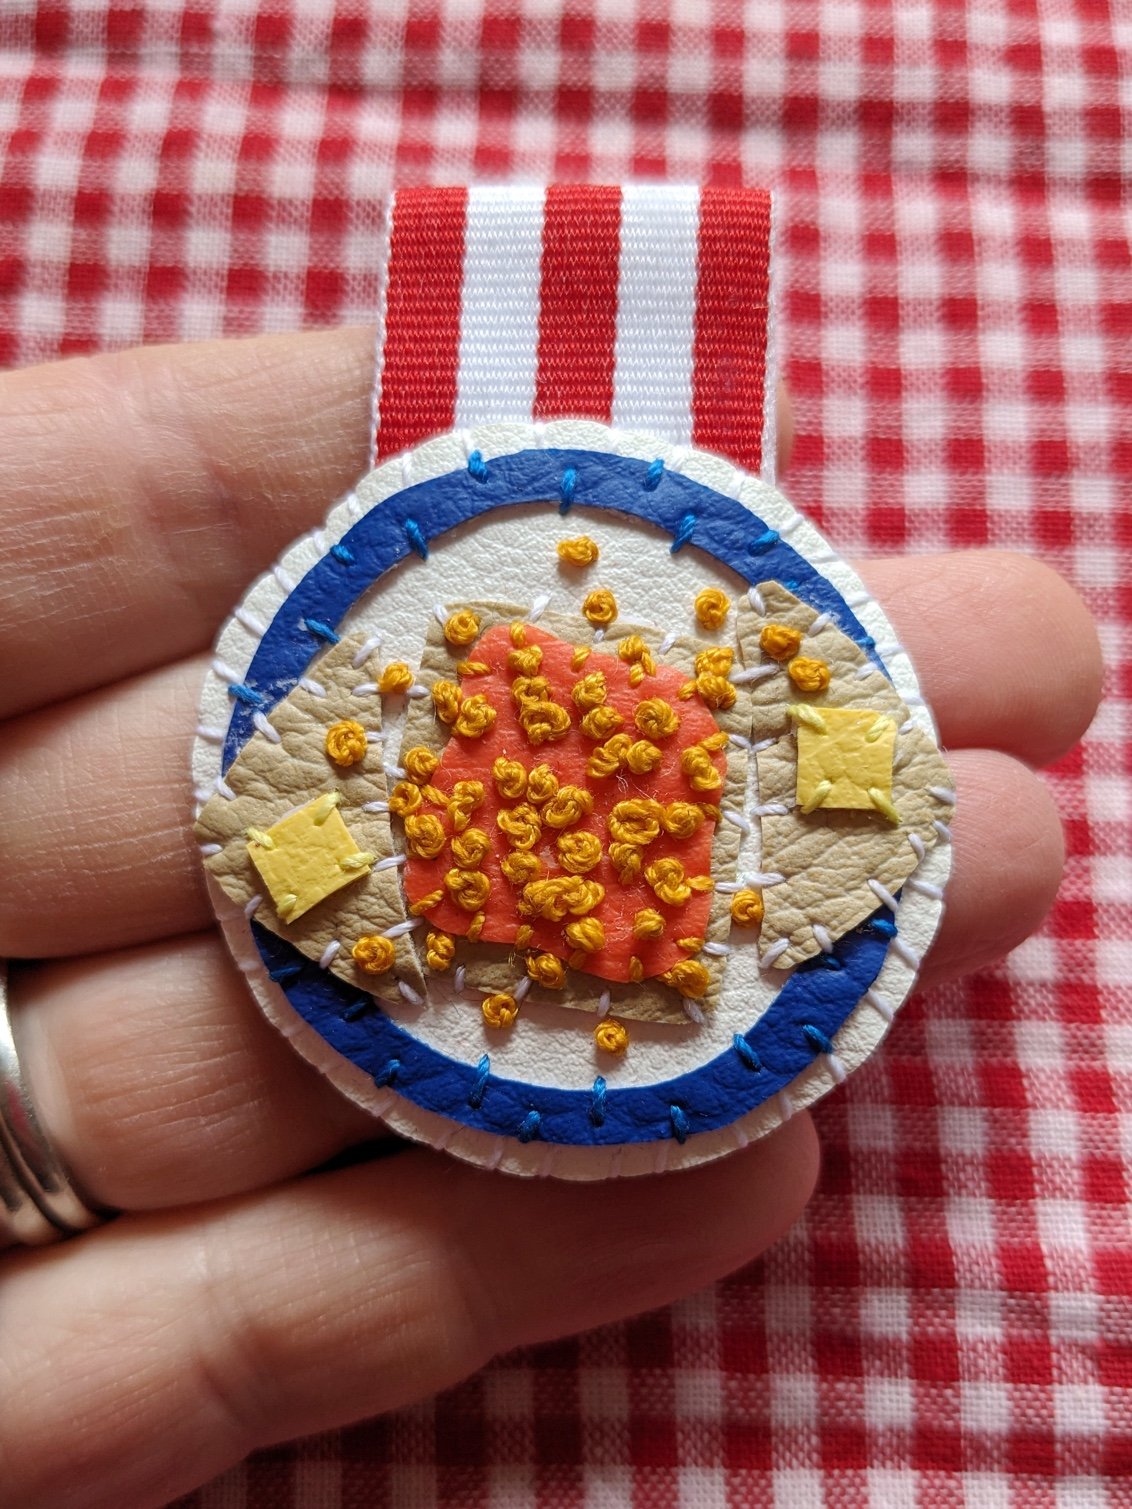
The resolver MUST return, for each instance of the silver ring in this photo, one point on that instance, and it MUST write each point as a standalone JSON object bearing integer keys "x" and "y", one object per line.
{"x": 39, "y": 1202}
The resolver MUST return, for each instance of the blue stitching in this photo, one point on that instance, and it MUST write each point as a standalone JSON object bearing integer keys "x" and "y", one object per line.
{"x": 320, "y": 630}
{"x": 475, "y": 1094}
{"x": 416, "y": 538}
{"x": 342, "y": 553}
{"x": 530, "y": 1126}
{"x": 358, "y": 1007}
{"x": 567, "y": 488}
{"x": 679, "y": 1124}
{"x": 683, "y": 533}
{"x": 764, "y": 542}
{"x": 746, "y": 1053}
{"x": 817, "y": 1039}
{"x": 654, "y": 474}
{"x": 597, "y": 1105}
{"x": 477, "y": 466}
{"x": 884, "y": 926}
{"x": 285, "y": 973}
{"x": 388, "y": 1074}
{"x": 867, "y": 642}
{"x": 247, "y": 694}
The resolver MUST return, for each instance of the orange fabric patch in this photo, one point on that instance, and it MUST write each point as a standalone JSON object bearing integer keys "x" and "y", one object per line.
{"x": 467, "y": 759}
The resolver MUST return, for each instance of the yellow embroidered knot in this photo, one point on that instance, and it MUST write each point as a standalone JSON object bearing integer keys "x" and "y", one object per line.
{"x": 346, "y": 742}
{"x": 648, "y": 925}
{"x": 656, "y": 718}
{"x": 560, "y": 896}
{"x": 426, "y": 903}
{"x": 397, "y": 677}
{"x": 570, "y": 806}
{"x": 424, "y": 835}
{"x": 717, "y": 660}
{"x": 373, "y": 954}
{"x": 716, "y": 691}
{"x": 471, "y": 848}
{"x": 682, "y": 819}
{"x": 420, "y": 764}
{"x": 636, "y": 821}
{"x": 642, "y": 757}
{"x": 607, "y": 758}
{"x": 405, "y": 798}
{"x": 578, "y": 852}
{"x": 668, "y": 880}
{"x": 600, "y": 607}
{"x": 510, "y": 778}
{"x": 600, "y": 722}
{"x": 746, "y": 909}
{"x": 579, "y": 657}
{"x": 518, "y": 633}
{"x": 472, "y": 668}
{"x": 581, "y": 551}
{"x": 446, "y": 698}
{"x": 461, "y": 628}
{"x": 542, "y": 785}
{"x": 500, "y": 1010}
{"x": 543, "y": 721}
{"x": 636, "y": 970}
{"x": 636, "y": 674}
{"x": 590, "y": 691}
{"x": 712, "y": 607}
{"x": 475, "y": 717}
{"x": 523, "y": 935}
{"x": 698, "y": 766}
{"x": 522, "y": 825}
{"x": 525, "y": 661}
{"x": 475, "y": 927}
{"x": 440, "y": 950}
{"x": 469, "y": 889}
{"x": 780, "y": 642}
{"x": 689, "y": 977}
{"x": 466, "y": 797}
{"x": 610, "y": 1036}
{"x": 547, "y": 970}
{"x": 635, "y": 651}
{"x": 520, "y": 867}
{"x": 808, "y": 675}
{"x": 626, "y": 860}
{"x": 587, "y": 934}
{"x": 690, "y": 945}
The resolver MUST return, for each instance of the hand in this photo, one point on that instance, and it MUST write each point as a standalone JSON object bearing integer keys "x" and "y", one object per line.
{"x": 236, "y": 1302}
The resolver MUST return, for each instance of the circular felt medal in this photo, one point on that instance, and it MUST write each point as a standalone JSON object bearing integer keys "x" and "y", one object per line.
{"x": 569, "y": 803}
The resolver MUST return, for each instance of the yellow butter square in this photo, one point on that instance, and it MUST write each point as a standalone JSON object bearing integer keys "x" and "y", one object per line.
{"x": 852, "y": 751}
{"x": 309, "y": 855}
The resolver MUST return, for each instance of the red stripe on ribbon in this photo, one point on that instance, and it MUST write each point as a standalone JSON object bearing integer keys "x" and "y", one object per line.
{"x": 732, "y": 309}
{"x": 577, "y": 332}
{"x": 422, "y": 318}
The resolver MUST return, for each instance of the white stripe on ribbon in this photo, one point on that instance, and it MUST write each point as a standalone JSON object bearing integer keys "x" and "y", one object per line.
{"x": 499, "y": 316}
{"x": 656, "y": 311}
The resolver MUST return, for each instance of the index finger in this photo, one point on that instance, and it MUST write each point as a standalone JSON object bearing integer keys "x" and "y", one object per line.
{"x": 141, "y": 492}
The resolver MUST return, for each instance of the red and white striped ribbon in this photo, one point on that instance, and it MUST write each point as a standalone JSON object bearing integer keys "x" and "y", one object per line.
{"x": 645, "y": 307}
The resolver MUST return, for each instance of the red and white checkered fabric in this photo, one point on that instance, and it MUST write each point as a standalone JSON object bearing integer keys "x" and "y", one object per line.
{"x": 951, "y": 1323}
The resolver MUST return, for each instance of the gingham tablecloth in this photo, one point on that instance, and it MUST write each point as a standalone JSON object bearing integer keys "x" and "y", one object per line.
{"x": 951, "y": 1323}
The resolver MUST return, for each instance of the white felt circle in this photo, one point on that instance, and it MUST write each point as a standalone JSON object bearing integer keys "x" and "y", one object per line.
{"x": 510, "y": 555}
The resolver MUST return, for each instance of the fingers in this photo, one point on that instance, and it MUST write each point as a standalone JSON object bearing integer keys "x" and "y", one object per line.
{"x": 97, "y": 798}
{"x": 339, "y": 1297}
{"x": 1006, "y": 650}
{"x": 160, "y": 1083}
{"x": 142, "y": 492}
